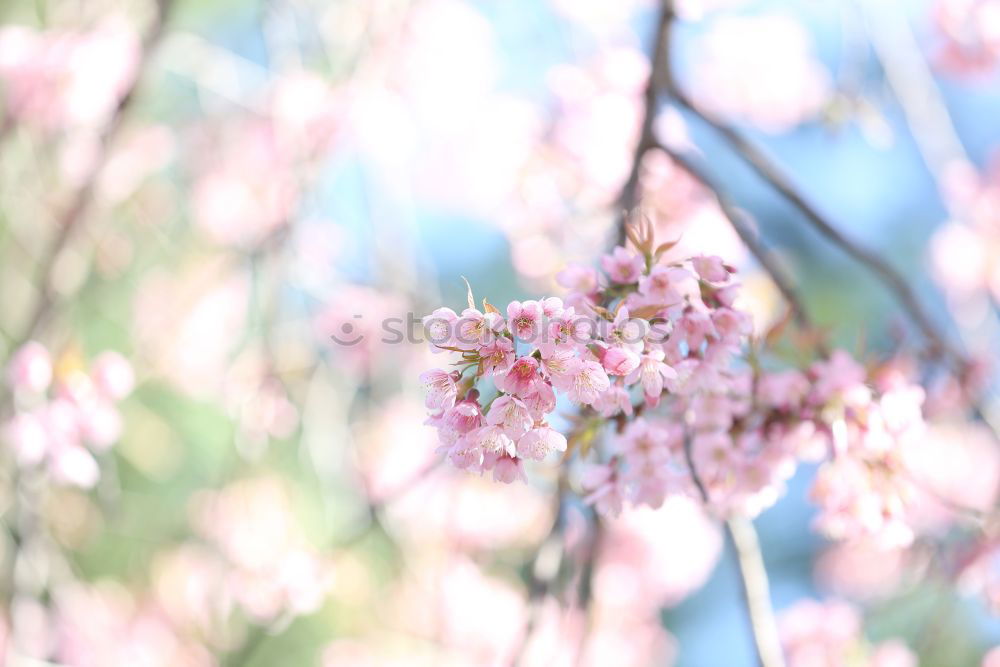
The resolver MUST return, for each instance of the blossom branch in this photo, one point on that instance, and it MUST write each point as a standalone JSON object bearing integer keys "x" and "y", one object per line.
{"x": 73, "y": 216}
{"x": 930, "y": 123}
{"x": 23, "y": 520}
{"x": 771, "y": 172}
{"x": 660, "y": 79}
{"x": 628, "y": 198}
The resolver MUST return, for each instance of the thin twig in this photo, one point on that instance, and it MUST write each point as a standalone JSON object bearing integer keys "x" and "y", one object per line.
{"x": 912, "y": 83}
{"x": 926, "y": 113}
{"x": 544, "y": 568}
{"x": 737, "y": 219}
{"x": 588, "y": 572}
{"x": 628, "y": 197}
{"x": 753, "y": 576}
{"x": 7, "y": 126}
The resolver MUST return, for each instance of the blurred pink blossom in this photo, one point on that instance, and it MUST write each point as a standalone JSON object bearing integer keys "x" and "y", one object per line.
{"x": 828, "y": 634}
{"x": 640, "y": 565}
{"x": 970, "y": 35}
{"x": 30, "y": 368}
{"x": 762, "y": 69}
{"x": 273, "y": 569}
{"x": 185, "y": 319}
{"x": 80, "y": 413}
{"x": 61, "y": 79}
{"x": 103, "y": 624}
{"x": 477, "y": 618}
{"x": 861, "y": 570}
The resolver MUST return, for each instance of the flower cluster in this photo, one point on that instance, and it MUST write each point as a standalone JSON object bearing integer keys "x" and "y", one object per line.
{"x": 747, "y": 429}
{"x": 658, "y": 350}
{"x": 864, "y": 489}
{"x": 64, "y": 416}
{"x": 641, "y": 328}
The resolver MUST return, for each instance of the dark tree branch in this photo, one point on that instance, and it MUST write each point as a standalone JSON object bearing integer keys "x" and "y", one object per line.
{"x": 73, "y": 216}
{"x": 772, "y": 173}
{"x": 737, "y": 219}
{"x": 25, "y": 523}
{"x": 628, "y": 198}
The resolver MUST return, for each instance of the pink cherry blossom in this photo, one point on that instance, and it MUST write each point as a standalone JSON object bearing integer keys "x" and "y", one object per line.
{"x": 654, "y": 375}
{"x": 521, "y": 378}
{"x": 525, "y": 319}
{"x": 465, "y": 415}
{"x": 710, "y": 268}
{"x": 614, "y": 401}
{"x": 694, "y": 328}
{"x": 476, "y": 329}
{"x": 441, "y": 389}
{"x": 582, "y": 279}
{"x": 498, "y": 356}
{"x": 465, "y": 452}
{"x": 588, "y": 382}
{"x": 567, "y": 331}
{"x": 622, "y": 266}
{"x": 541, "y": 401}
{"x": 510, "y": 414}
{"x": 731, "y": 325}
{"x": 552, "y": 307}
{"x": 440, "y": 326}
{"x": 508, "y": 469}
{"x": 618, "y": 360}
{"x": 539, "y": 442}
{"x": 663, "y": 284}
{"x": 492, "y": 440}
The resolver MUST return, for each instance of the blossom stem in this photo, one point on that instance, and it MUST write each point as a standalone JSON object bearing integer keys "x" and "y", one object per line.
{"x": 756, "y": 593}
{"x": 753, "y": 577}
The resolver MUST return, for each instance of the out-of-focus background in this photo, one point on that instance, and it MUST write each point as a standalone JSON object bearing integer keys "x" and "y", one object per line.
{"x": 220, "y": 219}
